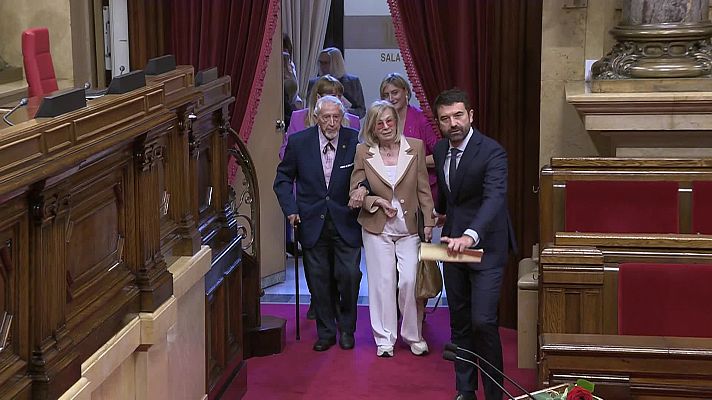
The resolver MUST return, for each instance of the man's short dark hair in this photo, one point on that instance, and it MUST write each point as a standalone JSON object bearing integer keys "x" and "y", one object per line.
{"x": 450, "y": 97}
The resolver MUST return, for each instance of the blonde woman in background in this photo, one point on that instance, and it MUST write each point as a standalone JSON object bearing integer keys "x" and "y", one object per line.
{"x": 331, "y": 62}
{"x": 412, "y": 121}
{"x": 394, "y": 168}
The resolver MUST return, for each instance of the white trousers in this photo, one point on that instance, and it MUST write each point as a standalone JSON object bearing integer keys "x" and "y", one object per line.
{"x": 386, "y": 254}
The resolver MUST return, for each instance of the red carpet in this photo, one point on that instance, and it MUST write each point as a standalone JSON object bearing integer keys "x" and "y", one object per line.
{"x": 301, "y": 373}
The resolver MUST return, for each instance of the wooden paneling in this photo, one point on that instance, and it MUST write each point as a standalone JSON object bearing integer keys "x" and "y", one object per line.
{"x": 210, "y": 201}
{"x": 87, "y": 230}
{"x": 579, "y": 287}
{"x": 14, "y": 257}
{"x": 95, "y": 204}
{"x": 630, "y": 367}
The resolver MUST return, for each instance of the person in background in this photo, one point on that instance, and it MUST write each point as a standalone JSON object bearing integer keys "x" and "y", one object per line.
{"x": 394, "y": 169}
{"x": 331, "y": 62}
{"x": 305, "y": 118}
{"x": 289, "y": 75}
{"x": 413, "y": 122}
{"x": 319, "y": 160}
{"x": 472, "y": 179}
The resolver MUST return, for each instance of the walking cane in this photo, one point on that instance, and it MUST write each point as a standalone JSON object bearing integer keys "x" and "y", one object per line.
{"x": 295, "y": 231}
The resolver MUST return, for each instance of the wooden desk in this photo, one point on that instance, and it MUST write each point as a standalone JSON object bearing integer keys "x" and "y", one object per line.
{"x": 95, "y": 204}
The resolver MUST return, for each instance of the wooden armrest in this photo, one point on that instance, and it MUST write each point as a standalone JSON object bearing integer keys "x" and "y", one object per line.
{"x": 627, "y": 345}
{"x": 637, "y": 240}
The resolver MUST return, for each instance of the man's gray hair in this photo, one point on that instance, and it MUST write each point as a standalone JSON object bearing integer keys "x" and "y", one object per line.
{"x": 329, "y": 99}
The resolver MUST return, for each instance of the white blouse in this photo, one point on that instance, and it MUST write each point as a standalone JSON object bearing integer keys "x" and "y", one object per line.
{"x": 395, "y": 226}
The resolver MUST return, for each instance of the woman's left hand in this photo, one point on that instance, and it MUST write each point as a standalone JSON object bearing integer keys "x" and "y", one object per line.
{"x": 357, "y": 196}
{"x": 428, "y": 233}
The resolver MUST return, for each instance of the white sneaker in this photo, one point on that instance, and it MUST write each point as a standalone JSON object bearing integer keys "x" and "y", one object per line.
{"x": 419, "y": 348}
{"x": 385, "y": 351}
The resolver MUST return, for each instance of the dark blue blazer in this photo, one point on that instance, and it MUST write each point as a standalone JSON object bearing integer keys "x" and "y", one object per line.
{"x": 302, "y": 165}
{"x": 478, "y": 199}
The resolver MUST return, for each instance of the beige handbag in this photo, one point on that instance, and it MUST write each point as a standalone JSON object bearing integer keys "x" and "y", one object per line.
{"x": 428, "y": 280}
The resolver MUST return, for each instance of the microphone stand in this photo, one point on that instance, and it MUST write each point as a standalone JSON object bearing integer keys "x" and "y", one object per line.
{"x": 23, "y": 102}
{"x": 452, "y": 347}
{"x": 450, "y": 356}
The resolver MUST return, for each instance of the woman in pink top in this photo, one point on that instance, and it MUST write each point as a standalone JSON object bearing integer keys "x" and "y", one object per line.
{"x": 412, "y": 121}
{"x": 304, "y": 118}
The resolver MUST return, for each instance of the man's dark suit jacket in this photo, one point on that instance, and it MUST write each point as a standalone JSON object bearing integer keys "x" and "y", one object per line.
{"x": 353, "y": 92}
{"x": 302, "y": 164}
{"x": 478, "y": 199}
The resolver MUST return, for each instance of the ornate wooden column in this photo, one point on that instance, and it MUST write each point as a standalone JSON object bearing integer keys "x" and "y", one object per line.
{"x": 152, "y": 278}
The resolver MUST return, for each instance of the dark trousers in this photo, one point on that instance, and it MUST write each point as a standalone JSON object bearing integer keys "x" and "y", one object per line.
{"x": 333, "y": 262}
{"x": 473, "y": 296}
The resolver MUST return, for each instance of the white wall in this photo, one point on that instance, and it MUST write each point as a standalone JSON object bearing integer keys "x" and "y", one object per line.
{"x": 371, "y": 64}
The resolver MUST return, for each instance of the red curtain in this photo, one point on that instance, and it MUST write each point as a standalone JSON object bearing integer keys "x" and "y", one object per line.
{"x": 491, "y": 49}
{"x": 233, "y": 35}
{"x": 445, "y": 45}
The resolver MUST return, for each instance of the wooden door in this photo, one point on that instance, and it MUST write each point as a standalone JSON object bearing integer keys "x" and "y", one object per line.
{"x": 263, "y": 145}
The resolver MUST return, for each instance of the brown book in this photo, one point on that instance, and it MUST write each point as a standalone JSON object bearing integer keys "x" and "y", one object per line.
{"x": 438, "y": 252}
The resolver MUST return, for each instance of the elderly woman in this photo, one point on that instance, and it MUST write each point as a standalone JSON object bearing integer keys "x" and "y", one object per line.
{"x": 413, "y": 122}
{"x": 394, "y": 167}
{"x": 331, "y": 62}
{"x": 305, "y": 118}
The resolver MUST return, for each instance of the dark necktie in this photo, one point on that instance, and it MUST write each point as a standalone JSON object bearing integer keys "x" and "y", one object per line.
{"x": 329, "y": 147}
{"x": 453, "y": 166}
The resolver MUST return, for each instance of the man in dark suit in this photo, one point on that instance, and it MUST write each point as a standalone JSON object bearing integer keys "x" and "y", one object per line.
{"x": 320, "y": 160}
{"x": 472, "y": 181}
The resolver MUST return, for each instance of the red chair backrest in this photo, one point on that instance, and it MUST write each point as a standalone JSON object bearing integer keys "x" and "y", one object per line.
{"x": 664, "y": 300}
{"x": 702, "y": 207}
{"x": 36, "y": 56}
{"x": 622, "y": 206}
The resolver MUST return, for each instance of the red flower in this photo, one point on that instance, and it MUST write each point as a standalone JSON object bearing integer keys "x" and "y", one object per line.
{"x": 579, "y": 393}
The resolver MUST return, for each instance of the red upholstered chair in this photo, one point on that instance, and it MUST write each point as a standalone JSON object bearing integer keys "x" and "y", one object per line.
{"x": 702, "y": 207}
{"x": 622, "y": 206}
{"x": 664, "y": 300}
{"x": 36, "y": 56}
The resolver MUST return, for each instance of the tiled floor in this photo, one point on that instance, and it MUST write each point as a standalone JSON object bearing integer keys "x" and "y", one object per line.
{"x": 285, "y": 292}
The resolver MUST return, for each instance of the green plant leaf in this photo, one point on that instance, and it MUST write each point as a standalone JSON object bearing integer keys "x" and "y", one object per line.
{"x": 585, "y": 384}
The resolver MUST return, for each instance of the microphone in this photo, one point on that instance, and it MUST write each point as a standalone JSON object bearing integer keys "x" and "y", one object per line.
{"x": 23, "y": 102}
{"x": 453, "y": 348}
{"x": 450, "y": 356}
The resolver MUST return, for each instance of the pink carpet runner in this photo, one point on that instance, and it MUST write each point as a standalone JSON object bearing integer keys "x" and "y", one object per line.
{"x": 301, "y": 373}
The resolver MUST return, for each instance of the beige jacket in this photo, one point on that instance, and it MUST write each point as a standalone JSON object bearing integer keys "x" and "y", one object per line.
{"x": 412, "y": 188}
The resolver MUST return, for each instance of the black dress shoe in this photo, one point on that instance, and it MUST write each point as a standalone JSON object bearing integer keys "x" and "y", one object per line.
{"x": 324, "y": 344}
{"x": 465, "y": 396}
{"x": 311, "y": 313}
{"x": 346, "y": 341}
